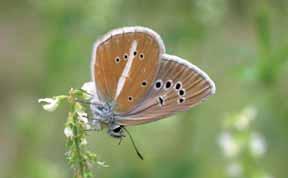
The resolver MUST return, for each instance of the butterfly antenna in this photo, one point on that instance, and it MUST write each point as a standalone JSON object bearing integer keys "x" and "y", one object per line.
{"x": 86, "y": 102}
{"x": 84, "y": 91}
{"x": 120, "y": 141}
{"x": 133, "y": 143}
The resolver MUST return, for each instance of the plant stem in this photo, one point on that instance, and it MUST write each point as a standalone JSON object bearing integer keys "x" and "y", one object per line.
{"x": 77, "y": 147}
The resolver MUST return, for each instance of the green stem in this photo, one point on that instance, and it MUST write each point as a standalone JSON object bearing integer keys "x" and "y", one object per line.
{"x": 78, "y": 149}
{"x": 80, "y": 158}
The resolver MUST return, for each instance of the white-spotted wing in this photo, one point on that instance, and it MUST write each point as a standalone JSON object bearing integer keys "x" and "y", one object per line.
{"x": 179, "y": 86}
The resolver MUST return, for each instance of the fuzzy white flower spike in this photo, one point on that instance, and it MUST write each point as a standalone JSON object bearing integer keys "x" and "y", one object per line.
{"x": 49, "y": 104}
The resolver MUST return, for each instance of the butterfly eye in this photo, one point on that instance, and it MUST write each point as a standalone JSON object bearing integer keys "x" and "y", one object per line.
{"x": 178, "y": 85}
{"x": 168, "y": 84}
{"x": 181, "y": 92}
{"x": 181, "y": 100}
{"x": 141, "y": 56}
{"x": 135, "y": 53}
{"x": 130, "y": 98}
{"x": 144, "y": 83}
{"x": 125, "y": 56}
{"x": 158, "y": 84}
{"x": 117, "y": 59}
{"x": 117, "y": 129}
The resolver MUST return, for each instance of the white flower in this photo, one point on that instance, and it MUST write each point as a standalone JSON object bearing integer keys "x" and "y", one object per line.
{"x": 83, "y": 141}
{"x": 257, "y": 145}
{"x": 242, "y": 122}
{"x": 82, "y": 116}
{"x": 68, "y": 132}
{"x": 244, "y": 119}
{"x": 234, "y": 169}
{"x": 50, "y": 104}
{"x": 250, "y": 112}
{"x": 102, "y": 163}
{"x": 229, "y": 145}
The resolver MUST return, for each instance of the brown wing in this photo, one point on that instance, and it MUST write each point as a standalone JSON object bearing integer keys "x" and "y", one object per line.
{"x": 124, "y": 65}
{"x": 179, "y": 86}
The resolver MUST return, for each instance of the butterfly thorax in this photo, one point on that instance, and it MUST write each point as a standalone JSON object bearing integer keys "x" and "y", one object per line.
{"x": 103, "y": 111}
{"x": 103, "y": 115}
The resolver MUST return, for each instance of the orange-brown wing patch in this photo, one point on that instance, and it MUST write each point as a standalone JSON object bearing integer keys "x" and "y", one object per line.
{"x": 119, "y": 83}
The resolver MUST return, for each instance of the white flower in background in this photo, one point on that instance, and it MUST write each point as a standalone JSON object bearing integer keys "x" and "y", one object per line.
{"x": 237, "y": 140}
{"x": 257, "y": 145}
{"x": 102, "y": 163}
{"x": 234, "y": 169}
{"x": 49, "y": 104}
{"x": 229, "y": 145}
{"x": 244, "y": 119}
{"x": 68, "y": 132}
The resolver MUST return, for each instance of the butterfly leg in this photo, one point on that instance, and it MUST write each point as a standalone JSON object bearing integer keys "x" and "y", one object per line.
{"x": 120, "y": 140}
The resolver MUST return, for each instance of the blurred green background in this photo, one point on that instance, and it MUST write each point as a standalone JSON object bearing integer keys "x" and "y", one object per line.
{"x": 45, "y": 49}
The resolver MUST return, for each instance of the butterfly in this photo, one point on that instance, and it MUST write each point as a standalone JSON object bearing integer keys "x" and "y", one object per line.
{"x": 136, "y": 82}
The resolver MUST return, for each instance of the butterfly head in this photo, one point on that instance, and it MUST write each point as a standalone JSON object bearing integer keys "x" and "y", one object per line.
{"x": 116, "y": 131}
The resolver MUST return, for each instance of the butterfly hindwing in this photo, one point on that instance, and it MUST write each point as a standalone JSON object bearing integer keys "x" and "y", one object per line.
{"x": 179, "y": 86}
{"x": 125, "y": 63}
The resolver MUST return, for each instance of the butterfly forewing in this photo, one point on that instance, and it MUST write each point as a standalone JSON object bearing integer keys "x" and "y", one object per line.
{"x": 179, "y": 86}
{"x": 124, "y": 66}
